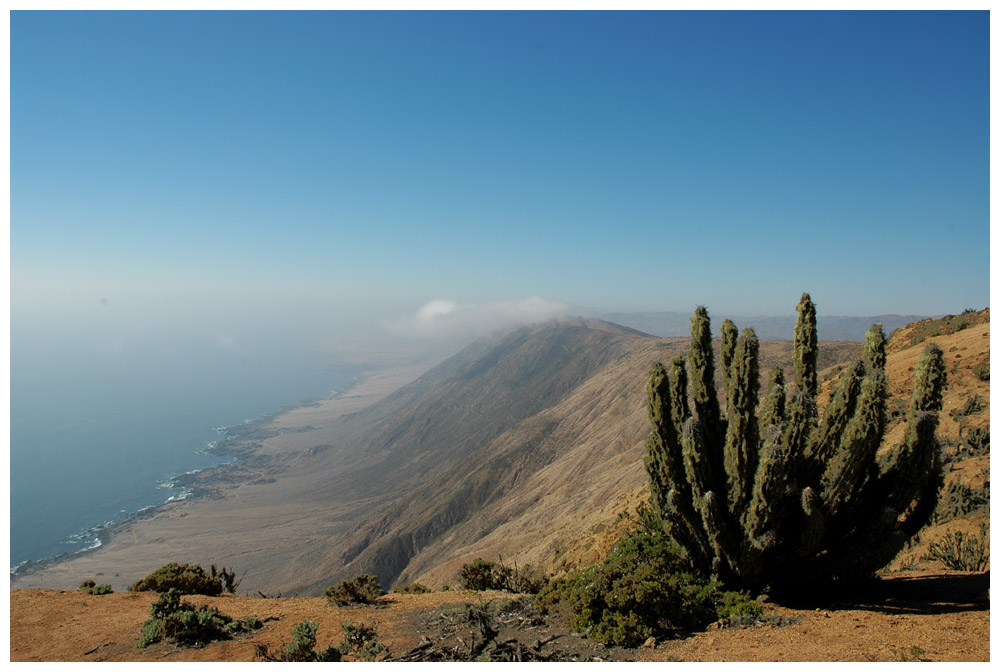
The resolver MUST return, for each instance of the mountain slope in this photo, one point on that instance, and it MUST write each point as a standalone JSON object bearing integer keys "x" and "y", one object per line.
{"x": 504, "y": 448}
{"x": 508, "y": 497}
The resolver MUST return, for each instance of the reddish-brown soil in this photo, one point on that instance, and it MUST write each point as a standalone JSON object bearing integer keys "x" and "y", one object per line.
{"x": 906, "y": 616}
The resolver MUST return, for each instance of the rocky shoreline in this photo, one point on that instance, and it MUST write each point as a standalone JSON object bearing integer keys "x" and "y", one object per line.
{"x": 240, "y": 442}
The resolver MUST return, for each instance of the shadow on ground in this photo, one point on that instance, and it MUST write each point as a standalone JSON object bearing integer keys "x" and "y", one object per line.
{"x": 927, "y": 594}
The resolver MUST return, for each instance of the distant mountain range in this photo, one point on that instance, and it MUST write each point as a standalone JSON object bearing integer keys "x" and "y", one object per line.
{"x": 830, "y": 327}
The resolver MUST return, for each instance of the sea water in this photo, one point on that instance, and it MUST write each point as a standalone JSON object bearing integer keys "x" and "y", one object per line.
{"x": 97, "y": 436}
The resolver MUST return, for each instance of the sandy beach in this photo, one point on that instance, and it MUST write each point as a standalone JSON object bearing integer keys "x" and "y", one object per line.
{"x": 225, "y": 527}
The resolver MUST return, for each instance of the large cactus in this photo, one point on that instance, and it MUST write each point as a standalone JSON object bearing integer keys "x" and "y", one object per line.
{"x": 772, "y": 494}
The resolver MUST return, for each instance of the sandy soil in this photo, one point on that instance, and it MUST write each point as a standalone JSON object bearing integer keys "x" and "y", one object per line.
{"x": 910, "y": 616}
{"x": 298, "y": 427}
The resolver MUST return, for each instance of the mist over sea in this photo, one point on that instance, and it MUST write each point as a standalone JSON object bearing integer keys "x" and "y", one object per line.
{"x": 99, "y": 426}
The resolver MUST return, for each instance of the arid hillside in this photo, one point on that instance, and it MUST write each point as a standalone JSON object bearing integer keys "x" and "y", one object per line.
{"x": 516, "y": 437}
{"x": 963, "y": 432}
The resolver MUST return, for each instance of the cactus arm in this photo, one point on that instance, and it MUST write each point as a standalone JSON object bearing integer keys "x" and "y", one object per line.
{"x": 723, "y": 539}
{"x": 848, "y": 468}
{"x": 763, "y": 516}
{"x": 798, "y": 433}
{"x": 729, "y": 336}
{"x": 740, "y": 452}
{"x": 702, "y": 372}
{"x": 806, "y": 347}
{"x": 772, "y": 411}
{"x": 679, "y": 410}
{"x": 875, "y": 355}
{"x": 670, "y": 492}
{"x": 909, "y": 464}
{"x": 837, "y": 415}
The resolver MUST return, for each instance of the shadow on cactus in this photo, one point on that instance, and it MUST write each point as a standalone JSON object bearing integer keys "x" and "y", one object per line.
{"x": 771, "y": 494}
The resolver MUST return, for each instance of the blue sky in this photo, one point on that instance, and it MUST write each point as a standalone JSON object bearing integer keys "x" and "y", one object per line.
{"x": 617, "y": 161}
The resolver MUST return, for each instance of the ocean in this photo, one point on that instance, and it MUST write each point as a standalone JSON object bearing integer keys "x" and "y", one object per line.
{"x": 97, "y": 434}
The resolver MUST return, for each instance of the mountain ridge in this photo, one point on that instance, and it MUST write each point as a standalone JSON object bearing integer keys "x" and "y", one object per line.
{"x": 669, "y": 324}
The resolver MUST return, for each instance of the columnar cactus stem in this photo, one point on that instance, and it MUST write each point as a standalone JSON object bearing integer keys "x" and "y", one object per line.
{"x": 679, "y": 410}
{"x": 806, "y": 349}
{"x": 741, "y": 433}
{"x": 706, "y": 402}
{"x": 772, "y": 411}
{"x": 729, "y": 335}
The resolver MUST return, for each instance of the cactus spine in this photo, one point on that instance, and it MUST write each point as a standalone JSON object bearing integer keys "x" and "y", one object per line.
{"x": 771, "y": 494}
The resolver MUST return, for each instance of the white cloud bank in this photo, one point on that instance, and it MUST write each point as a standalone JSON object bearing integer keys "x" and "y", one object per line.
{"x": 446, "y": 319}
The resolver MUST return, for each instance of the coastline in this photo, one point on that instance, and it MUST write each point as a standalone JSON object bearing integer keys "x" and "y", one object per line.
{"x": 251, "y": 444}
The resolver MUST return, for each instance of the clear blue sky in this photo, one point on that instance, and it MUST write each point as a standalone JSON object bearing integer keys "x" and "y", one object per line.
{"x": 622, "y": 161}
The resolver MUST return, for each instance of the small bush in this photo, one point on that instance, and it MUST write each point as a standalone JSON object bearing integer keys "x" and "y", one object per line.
{"x": 358, "y": 640}
{"x": 246, "y": 624}
{"x": 982, "y": 371}
{"x": 642, "y": 589}
{"x": 484, "y": 575}
{"x": 302, "y": 648}
{"x": 228, "y": 578}
{"x": 91, "y": 588}
{"x": 362, "y": 589}
{"x": 361, "y": 641}
{"x": 972, "y": 405}
{"x": 739, "y": 608}
{"x": 184, "y": 578}
{"x": 184, "y": 624}
{"x": 528, "y": 580}
{"x": 962, "y": 552}
{"x": 411, "y": 588}
{"x": 977, "y": 440}
{"x": 959, "y": 499}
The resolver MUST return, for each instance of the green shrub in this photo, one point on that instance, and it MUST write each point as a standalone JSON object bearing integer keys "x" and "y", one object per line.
{"x": 358, "y": 640}
{"x": 187, "y": 625}
{"x": 227, "y": 577}
{"x": 245, "y": 624}
{"x": 959, "y": 499}
{"x": 973, "y": 404}
{"x": 91, "y": 588}
{"x": 302, "y": 648}
{"x": 642, "y": 589}
{"x": 738, "y": 607}
{"x": 963, "y": 552}
{"x": 527, "y": 580}
{"x": 411, "y": 588}
{"x": 982, "y": 370}
{"x": 977, "y": 440}
{"x": 186, "y": 579}
{"x": 362, "y": 589}
{"x": 484, "y": 575}
{"x": 361, "y": 641}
